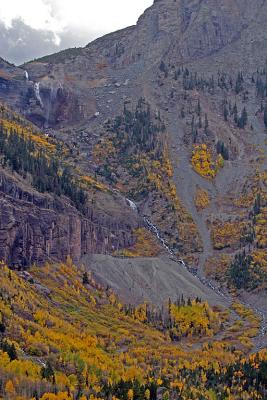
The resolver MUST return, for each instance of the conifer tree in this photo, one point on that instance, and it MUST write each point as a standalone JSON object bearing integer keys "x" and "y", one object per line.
{"x": 242, "y": 122}
{"x": 265, "y": 115}
{"x": 85, "y": 278}
{"x": 206, "y": 123}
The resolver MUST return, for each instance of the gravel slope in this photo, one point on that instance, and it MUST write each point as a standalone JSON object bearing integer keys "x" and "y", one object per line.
{"x": 152, "y": 279}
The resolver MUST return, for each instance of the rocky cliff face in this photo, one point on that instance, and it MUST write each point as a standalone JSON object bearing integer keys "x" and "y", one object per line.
{"x": 35, "y": 228}
{"x": 199, "y": 32}
{"x": 204, "y": 27}
{"x": 76, "y": 91}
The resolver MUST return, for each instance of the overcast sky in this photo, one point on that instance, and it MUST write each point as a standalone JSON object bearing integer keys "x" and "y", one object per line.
{"x": 32, "y": 28}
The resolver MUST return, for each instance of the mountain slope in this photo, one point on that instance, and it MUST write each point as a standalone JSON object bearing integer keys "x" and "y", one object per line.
{"x": 65, "y": 339}
{"x": 200, "y": 66}
{"x": 49, "y": 209}
{"x": 142, "y": 158}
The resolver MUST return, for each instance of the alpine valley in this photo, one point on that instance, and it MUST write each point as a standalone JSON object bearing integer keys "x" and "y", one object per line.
{"x": 133, "y": 211}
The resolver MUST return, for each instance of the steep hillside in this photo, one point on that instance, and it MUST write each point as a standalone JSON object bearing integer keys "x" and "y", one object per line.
{"x": 140, "y": 158}
{"x": 49, "y": 208}
{"x": 65, "y": 337}
{"x": 204, "y": 81}
{"x": 178, "y": 129}
{"x": 153, "y": 279}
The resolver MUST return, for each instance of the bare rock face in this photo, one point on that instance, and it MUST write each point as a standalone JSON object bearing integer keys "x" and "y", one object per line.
{"x": 35, "y": 228}
{"x": 197, "y": 28}
{"x": 77, "y": 90}
{"x": 178, "y": 31}
{"x": 73, "y": 83}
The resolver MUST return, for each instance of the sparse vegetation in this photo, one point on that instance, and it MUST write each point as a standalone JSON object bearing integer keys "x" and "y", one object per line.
{"x": 145, "y": 245}
{"x": 202, "y": 199}
{"x": 133, "y": 157}
{"x": 41, "y": 160}
{"x": 226, "y": 234}
{"x": 24, "y": 156}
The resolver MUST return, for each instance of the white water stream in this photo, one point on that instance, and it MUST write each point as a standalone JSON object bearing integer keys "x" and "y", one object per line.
{"x": 210, "y": 284}
{"x": 37, "y": 93}
{"x": 132, "y": 205}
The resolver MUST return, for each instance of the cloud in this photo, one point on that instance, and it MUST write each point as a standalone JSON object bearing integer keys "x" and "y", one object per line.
{"x": 33, "y": 28}
{"x": 20, "y": 42}
{"x": 104, "y": 15}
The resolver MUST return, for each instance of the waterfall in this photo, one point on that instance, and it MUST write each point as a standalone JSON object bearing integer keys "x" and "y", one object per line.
{"x": 132, "y": 204}
{"x": 52, "y": 98}
{"x": 26, "y": 75}
{"x": 155, "y": 230}
{"x": 37, "y": 93}
{"x": 210, "y": 285}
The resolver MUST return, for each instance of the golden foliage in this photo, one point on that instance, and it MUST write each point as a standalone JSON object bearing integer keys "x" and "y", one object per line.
{"x": 203, "y": 162}
{"x": 217, "y": 267}
{"x": 79, "y": 331}
{"x": 260, "y": 258}
{"x": 48, "y": 146}
{"x": 261, "y": 228}
{"x": 148, "y": 171}
{"x": 38, "y": 138}
{"x": 250, "y": 326}
{"x": 202, "y": 199}
{"x": 197, "y": 319}
{"x": 88, "y": 181}
{"x": 145, "y": 245}
{"x": 226, "y": 234}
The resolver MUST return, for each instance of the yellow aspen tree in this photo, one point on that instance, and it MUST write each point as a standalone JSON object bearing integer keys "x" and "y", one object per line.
{"x": 130, "y": 394}
{"x": 10, "y": 389}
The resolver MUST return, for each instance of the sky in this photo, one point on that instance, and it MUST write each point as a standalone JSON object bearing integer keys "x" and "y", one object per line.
{"x": 33, "y": 28}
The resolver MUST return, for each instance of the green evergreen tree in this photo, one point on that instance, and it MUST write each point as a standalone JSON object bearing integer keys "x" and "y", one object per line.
{"x": 265, "y": 116}
{"x": 240, "y": 271}
{"x": 35, "y": 395}
{"x": 47, "y": 372}
{"x": 206, "y": 125}
{"x": 2, "y": 328}
{"x": 10, "y": 349}
{"x": 225, "y": 113}
{"x": 85, "y": 278}
{"x": 235, "y": 113}
{"x": 242, "y": 122}
{"x": 198, "y": 108}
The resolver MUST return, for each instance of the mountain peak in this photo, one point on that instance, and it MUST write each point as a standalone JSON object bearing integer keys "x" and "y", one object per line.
{"x": 200, "y": 28}
{"x": 148, "y": 169}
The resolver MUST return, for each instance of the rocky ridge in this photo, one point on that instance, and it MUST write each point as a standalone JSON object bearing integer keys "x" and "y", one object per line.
{"x": 179, "y": 54}
{"x": 36, "y": 228}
